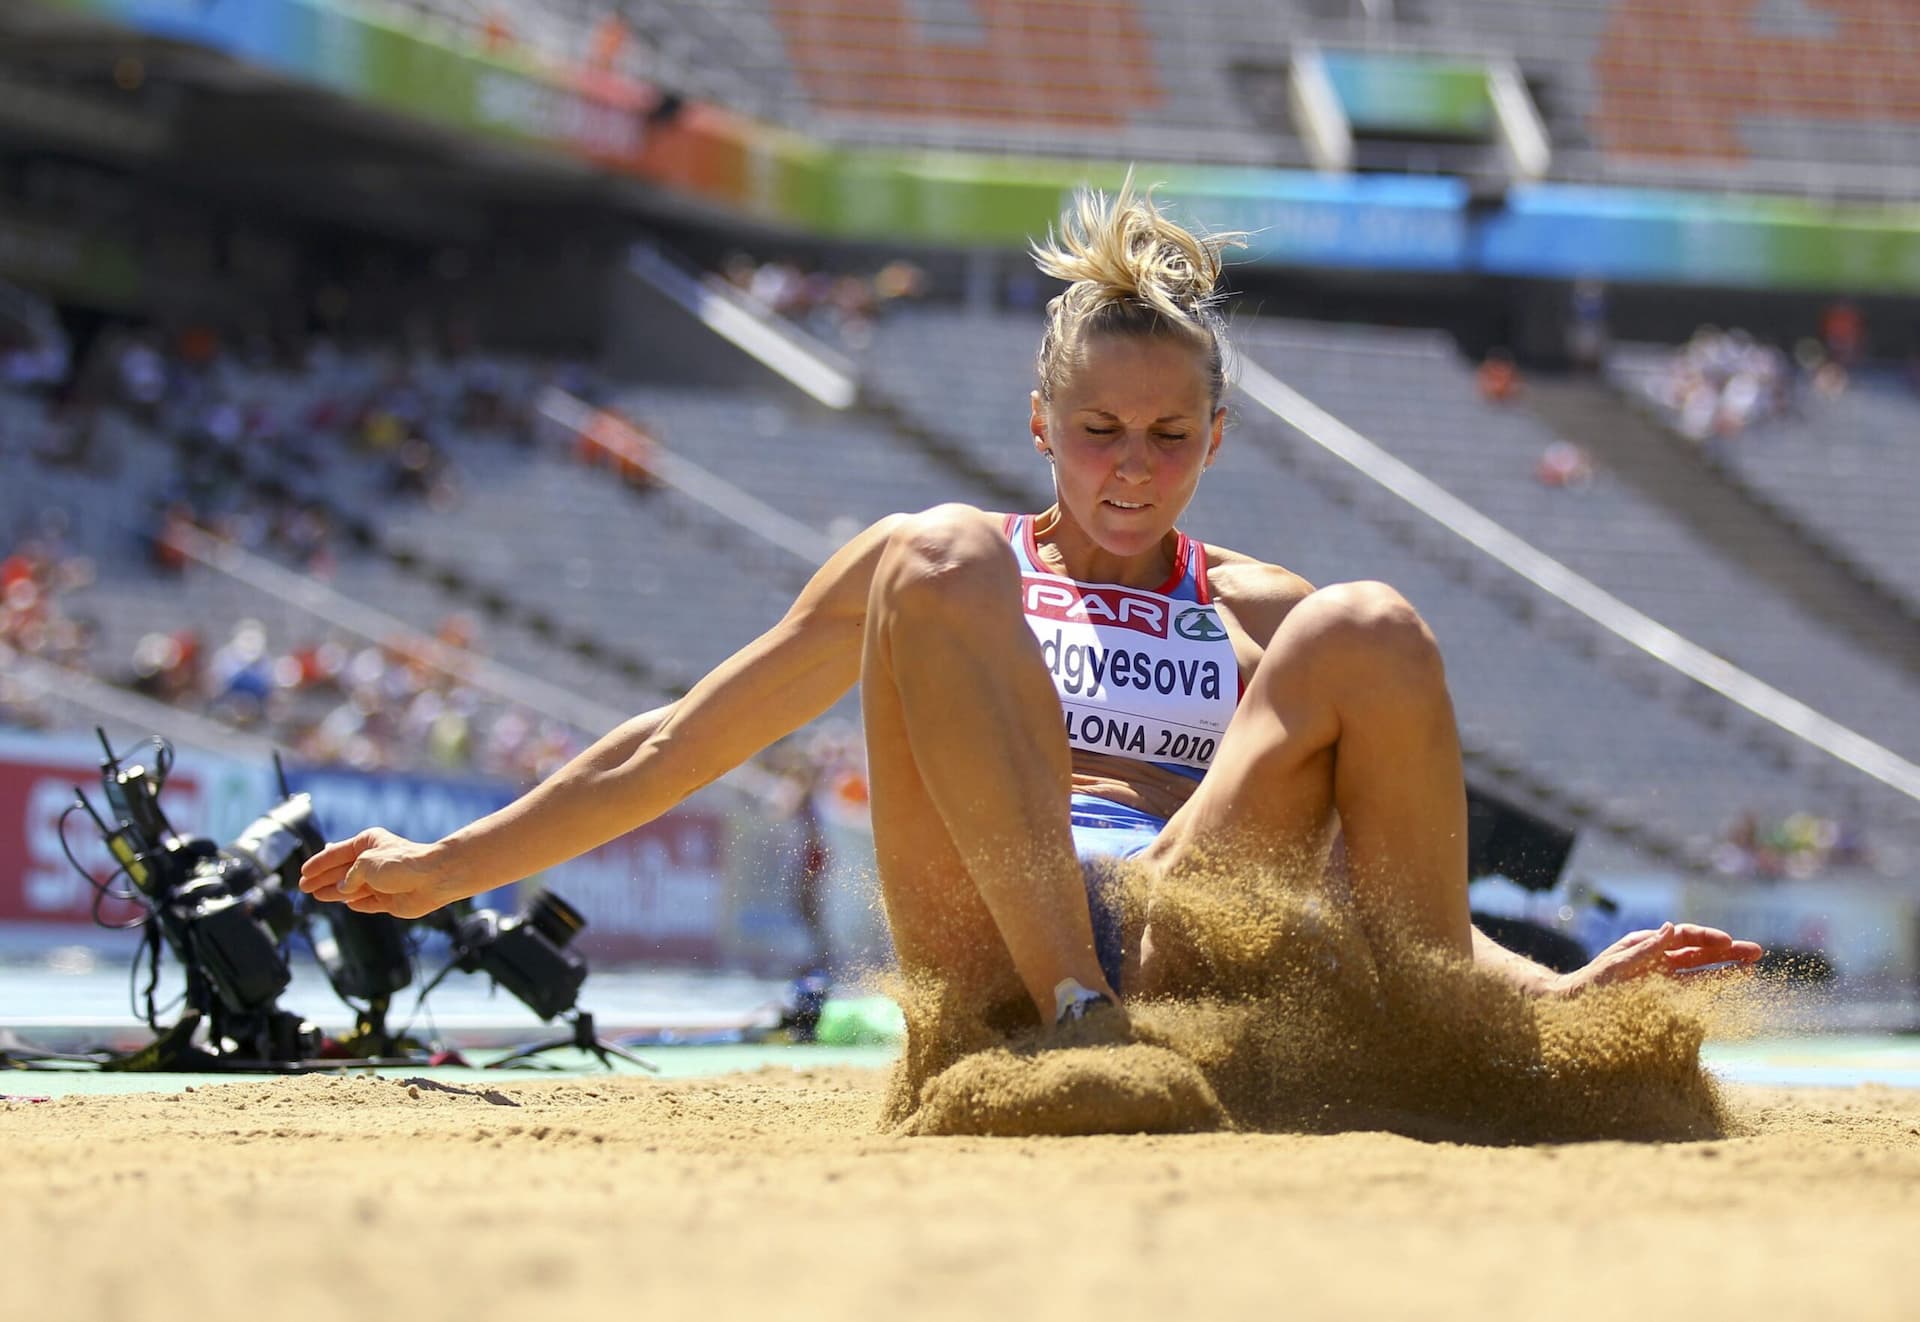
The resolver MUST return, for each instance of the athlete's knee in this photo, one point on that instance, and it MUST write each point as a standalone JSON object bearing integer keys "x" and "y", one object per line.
{"x": 945, "y": 558}
{"x": 1367, "y": 629}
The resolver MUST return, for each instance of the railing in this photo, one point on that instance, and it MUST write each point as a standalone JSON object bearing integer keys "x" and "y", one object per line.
{"x": 777, "y": 344}
{"x": 1549, "y": 575}
{"x": 745, "y": 511}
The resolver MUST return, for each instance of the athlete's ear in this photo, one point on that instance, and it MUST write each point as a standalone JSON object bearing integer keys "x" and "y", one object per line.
{"x": 1219, "y": 432}
{"x": 1037, "y": 423}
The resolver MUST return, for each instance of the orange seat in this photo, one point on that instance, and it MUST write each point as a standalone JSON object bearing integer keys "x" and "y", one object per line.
{"x": 1075, "y": 62}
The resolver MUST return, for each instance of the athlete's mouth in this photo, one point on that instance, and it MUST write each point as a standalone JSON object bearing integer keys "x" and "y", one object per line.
{"x": 1125, "y": 505}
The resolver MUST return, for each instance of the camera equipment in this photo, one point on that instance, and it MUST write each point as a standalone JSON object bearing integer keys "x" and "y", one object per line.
{"x": 528, "y": 955}
{"x": 225, "y": 911}
{"x": 1530, "y": 850}
{"x": 366, "y": 958}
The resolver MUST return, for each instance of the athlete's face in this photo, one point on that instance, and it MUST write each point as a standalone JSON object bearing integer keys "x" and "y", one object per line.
{"x": 1130, "y": 432}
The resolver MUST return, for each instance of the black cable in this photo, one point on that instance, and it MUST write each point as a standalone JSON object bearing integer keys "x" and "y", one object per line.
{"x": 420, "y": 1001}
{"x": 306, "y": 931}
{"x": 435, "y": 1042}
{"x": 101, "y": 890}
{"x": 151, "y": 936}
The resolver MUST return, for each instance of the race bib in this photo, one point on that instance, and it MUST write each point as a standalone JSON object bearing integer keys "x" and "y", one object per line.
{"x": 1139, "y": 674}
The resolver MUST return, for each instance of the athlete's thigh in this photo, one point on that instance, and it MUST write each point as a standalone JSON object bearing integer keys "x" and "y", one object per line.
{"x": 939, "y": 924}
{"x": 1267, "y": 796}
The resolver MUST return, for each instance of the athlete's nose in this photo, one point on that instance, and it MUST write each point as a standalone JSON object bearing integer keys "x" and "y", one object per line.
{"x": 1132, "y": 465}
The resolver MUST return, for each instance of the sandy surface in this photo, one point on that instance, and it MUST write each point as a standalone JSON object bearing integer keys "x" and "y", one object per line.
{"x": 771, "y": 1195}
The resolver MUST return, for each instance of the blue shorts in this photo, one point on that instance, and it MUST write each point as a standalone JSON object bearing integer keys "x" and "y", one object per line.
{"x": 1103, "y": 832}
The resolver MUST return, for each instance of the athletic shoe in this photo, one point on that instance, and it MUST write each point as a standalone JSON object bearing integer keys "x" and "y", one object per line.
{"x": 1073, "y": 1002}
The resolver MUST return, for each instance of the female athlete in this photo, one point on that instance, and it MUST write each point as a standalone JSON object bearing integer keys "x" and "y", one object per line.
{"x": 1213, "y": 703}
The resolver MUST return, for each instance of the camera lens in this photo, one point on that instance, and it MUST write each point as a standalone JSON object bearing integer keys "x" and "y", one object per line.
{"x": 554, "y": 918}
{"x": 281, "y": 840}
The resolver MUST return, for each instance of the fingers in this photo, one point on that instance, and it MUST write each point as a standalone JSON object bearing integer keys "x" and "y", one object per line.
{"x": 1679, "y": 947}
{"x": 399, "y": 906}
{"x": 1639, "y": 952}
{"x": 330, "y": 865}
{"x": 1697, "y": 947}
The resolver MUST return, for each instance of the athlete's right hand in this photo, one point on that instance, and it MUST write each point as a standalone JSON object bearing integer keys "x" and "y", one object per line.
{"x": 380, "y": 872}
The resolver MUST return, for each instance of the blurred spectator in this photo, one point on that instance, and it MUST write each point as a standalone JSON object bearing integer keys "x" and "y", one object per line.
{"x": 1722, "y": 383}
{"x": 1563, "y": 464}
{"x": 610, "y": 440}
{"x": 1843, "y": 333}
{"x": 1799, "y": 846}
{"x": 1588, "y": 334}
{"x": 840, "y": 308}
{"x": 1498, "y": 378}
{"x": 800, "y": 765}
{"x": 34, "y": 348}
{"x": 167, "y": 666}
{"x": 609, "y": 43}
{"x": 240, "y": 676}
{"x": 34, "y": 621}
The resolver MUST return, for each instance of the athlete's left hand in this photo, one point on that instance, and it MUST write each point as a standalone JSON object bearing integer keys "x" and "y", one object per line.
{"x": 1674, "y": 948}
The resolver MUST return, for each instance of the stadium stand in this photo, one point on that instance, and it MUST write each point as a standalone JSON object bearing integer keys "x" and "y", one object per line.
{"x": 1841, "y": 465}
{"x": 1411, "y": 392}
{"x": 523, "y": 531}
{"x": 132, "y": 612}
{"x": 1632, "y": 91}
{"x": 599, "y": 560}
{"x": 1106, "y": 78}
{"x": 563, "y": 34}
{"x": 1640, "y": 91}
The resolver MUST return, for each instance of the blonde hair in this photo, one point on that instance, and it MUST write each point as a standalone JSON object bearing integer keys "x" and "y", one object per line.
{"x": 1130, "y": 271}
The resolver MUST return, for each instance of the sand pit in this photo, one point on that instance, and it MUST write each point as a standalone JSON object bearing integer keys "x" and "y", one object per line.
{"x": 773, "y": 1195}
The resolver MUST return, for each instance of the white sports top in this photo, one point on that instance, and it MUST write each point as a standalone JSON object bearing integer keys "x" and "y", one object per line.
{"x": 1146, "y": 675}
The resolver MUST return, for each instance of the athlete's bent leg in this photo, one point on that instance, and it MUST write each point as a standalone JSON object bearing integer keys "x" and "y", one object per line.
{"x": 1346, "y": 724}
{"x": 969, "y": 767}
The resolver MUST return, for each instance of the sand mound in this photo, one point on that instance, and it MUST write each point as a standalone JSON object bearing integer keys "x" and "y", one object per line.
{"x": 1133, "y": 1089}
{"x": 1270, "y": 1011}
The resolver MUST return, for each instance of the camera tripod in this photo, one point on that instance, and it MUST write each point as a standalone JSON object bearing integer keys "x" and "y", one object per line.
{"x": 583, "y": 1037}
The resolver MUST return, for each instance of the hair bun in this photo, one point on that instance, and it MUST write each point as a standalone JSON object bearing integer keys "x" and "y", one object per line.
{"x": 1123, "y": 248}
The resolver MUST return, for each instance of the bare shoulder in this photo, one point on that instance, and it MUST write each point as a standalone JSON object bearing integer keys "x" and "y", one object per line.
{"x": 1257, "y": 593}
{"x": 950, "y": 514}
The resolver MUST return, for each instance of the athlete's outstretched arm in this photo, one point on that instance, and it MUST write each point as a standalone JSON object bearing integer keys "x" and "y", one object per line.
{"x": 769, "y": 688}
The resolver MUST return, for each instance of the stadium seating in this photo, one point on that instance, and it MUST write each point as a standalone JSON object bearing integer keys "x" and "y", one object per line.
{"x": 1103, "y": 78}
{"x": 107, "y": 507}
{"x": 1845, "y": 467}
{"x": 1645, "y": 91}
{"x": 833, "y": 472}
{"x": 1633, "y": 91}
{"x": 1411, "y": 392}
{"x": 565, "y": 35}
